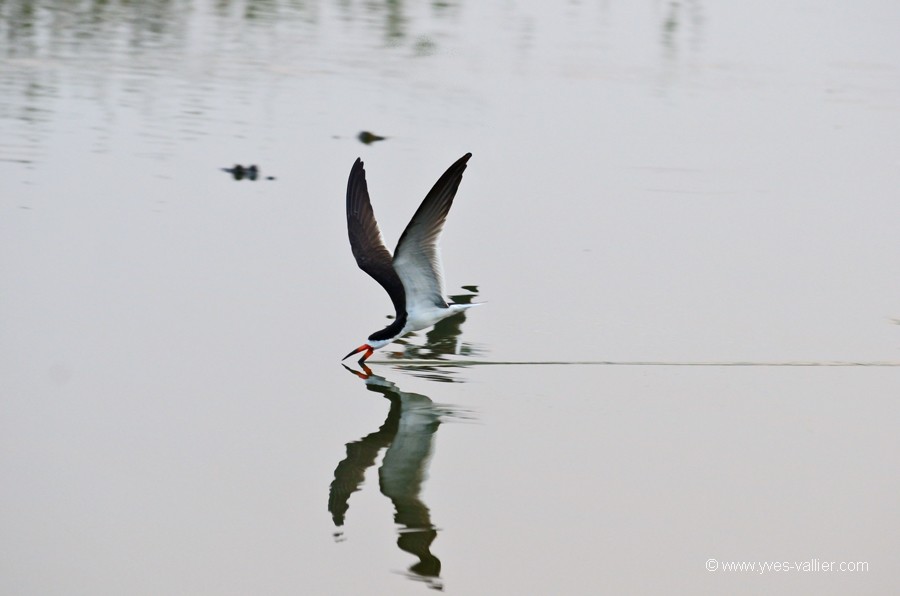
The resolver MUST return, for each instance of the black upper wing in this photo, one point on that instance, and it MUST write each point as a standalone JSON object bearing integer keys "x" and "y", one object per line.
{"x": 368, "y": 247}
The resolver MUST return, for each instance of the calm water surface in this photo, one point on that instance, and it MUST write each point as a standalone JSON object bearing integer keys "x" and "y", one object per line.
{"x": 652, "y": 182}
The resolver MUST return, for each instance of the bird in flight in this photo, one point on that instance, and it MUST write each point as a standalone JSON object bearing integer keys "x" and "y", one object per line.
{"x": 413, "y": 277}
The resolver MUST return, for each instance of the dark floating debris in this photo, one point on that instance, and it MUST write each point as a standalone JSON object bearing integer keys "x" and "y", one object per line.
{"x": 367, "y": 138}
{"x": 240, "y": 172}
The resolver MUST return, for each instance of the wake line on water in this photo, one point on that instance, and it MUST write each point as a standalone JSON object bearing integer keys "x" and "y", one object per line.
{"x": 710, "y": 363}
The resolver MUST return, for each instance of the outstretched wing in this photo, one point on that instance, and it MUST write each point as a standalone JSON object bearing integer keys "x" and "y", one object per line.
{"x": 365, "y": 240}
{"x": 417, "y": 260}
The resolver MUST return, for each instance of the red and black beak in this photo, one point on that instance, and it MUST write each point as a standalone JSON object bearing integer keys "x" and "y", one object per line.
{"x": 365, "y": 347}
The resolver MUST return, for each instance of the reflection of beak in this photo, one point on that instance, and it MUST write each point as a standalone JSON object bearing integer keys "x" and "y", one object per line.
{"x": 367, "y": 372}
{"x": 368, "y": 349}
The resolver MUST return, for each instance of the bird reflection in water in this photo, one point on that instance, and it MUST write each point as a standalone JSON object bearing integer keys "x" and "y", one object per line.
{"x": 408, "y": 436}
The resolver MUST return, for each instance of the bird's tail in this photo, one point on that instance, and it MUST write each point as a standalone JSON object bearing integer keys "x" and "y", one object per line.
{"x": 461, "y": 307}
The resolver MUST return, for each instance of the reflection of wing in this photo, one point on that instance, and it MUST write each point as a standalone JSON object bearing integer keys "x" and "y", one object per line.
{"x": 361, "y": 454}
{"x": 401, "y": 475}
{"x": 403, "y": 469}
{"x": 416, "y": 259}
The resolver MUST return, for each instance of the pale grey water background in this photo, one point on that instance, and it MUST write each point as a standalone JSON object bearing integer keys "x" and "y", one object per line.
{"x": 651, "y": 182}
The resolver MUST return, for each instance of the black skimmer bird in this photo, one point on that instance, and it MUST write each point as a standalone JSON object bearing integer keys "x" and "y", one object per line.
{"x": 413, "y": 277}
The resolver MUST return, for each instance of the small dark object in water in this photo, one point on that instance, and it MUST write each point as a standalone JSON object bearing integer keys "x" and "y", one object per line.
{"x": 240, "y": 172}
{"x": 368, "y": 138}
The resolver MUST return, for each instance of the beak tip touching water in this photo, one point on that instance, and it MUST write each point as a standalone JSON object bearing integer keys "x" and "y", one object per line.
{"x": 365, "y": 347}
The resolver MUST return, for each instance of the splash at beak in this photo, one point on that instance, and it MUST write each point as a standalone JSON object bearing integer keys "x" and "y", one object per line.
{"x": 365, "y": 347}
